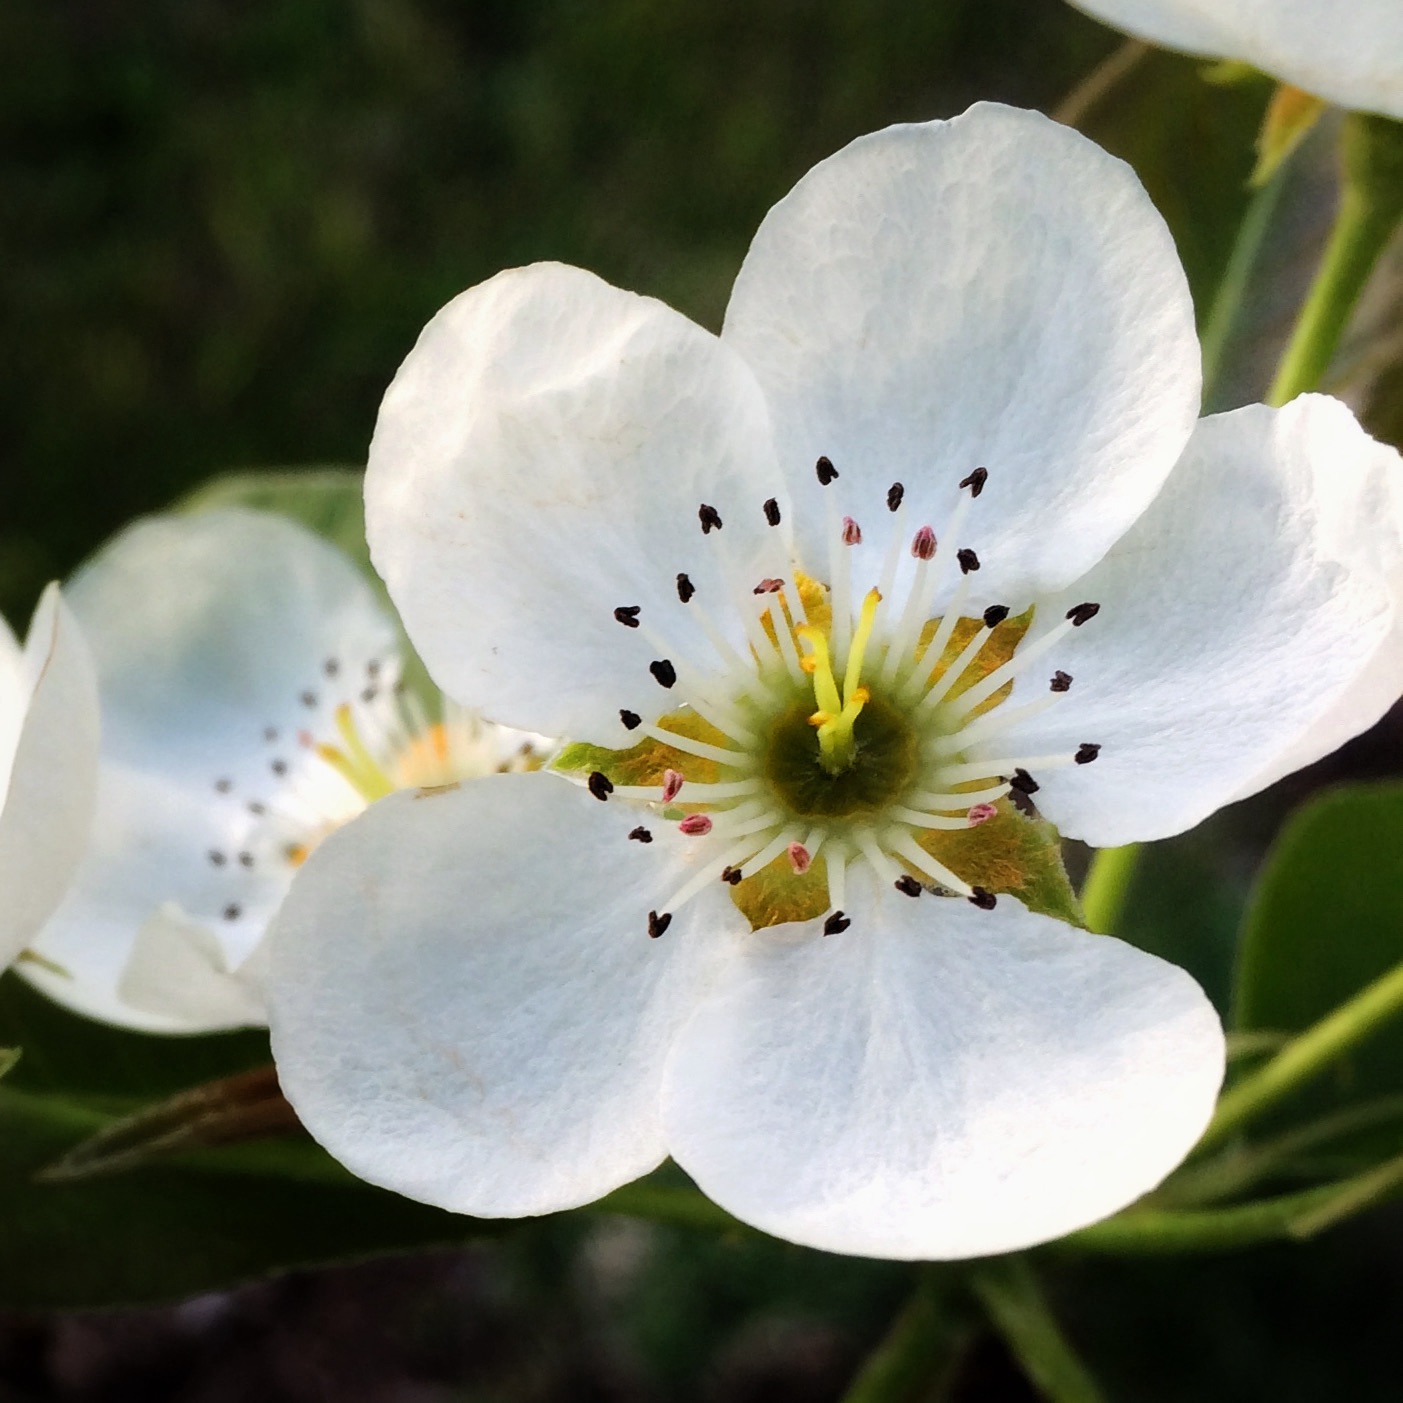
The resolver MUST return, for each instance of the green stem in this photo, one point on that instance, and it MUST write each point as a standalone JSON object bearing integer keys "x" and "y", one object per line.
{"x": 1307, "y": 1056}
{"x": 1231, "y": 295}
{"x": 1107, "y": 885}
{"x": 1009, "y": 1292}
{"x": 917, "y": 1352}
{"x": 1371, "y": 203}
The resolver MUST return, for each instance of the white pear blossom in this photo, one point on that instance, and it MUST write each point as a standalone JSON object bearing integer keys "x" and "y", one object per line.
{"x": 48, "y": 767}
{"x": 1350, "y": 53}
{"x": 252, "y": 700}
{"x": 927, "y": 530}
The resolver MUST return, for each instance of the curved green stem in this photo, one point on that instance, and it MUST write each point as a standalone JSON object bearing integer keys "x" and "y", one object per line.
{"x": 1307, "y": 1055}
{"x": 1107, "y": 885}
{"x": 1371, "y": 203}
{"x": 919, "y": 1350}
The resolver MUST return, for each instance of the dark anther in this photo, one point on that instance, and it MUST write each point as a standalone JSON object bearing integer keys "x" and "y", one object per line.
{"x": 664, "y": 672}
{"x": 1061, "y": 681}
{"x": 331, "y": 667}
{"x": 254, "y": 807}
{"x": 224, "y": 785}
{"x": 631, "y": 719}
{"x": 369, "y": 694}
{"x": 894, "y": 495}
{"x": 657, "y": 924}
{"x": 1086, "y": 753}
{"x": 710, "y": 518}
{"x": 836, "y": 924}
{"x": 600, "y": 785}
{"x": 731, "y": 875}
{"x": 372, "y": 668}
{"x": 309, "y": 698}
{"x": 907, "y": 885}
{"x": 995, "y": 614}
{"x": 232, "y": 912}
{"x": 1080, "y": 613}
{"x": 976, "y": 480}
{"x": 772, "y": 511}
{"x": 245, "y": 859}
{"x": 968, "y": 560}
{"x": 1022, "y": 803}
{"x": 278, "y": 767}
{"x": 641, "y": 835}
{"x": 768, "y": 586}
{"x": 270, "y": 733}
{"x": 685, "y": 588}
{"x": 627, "y": 615}
{"x": 984, "y": 899}
{"x": 826, "y": 471}
{"x": 217, "y": 857}
{"x": 1023, "y": 782}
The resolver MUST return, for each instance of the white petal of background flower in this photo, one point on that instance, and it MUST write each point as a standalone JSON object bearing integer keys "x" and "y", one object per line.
{"x": 1349, "y": 51}
{"x": 1240, "y": 608}
{"x": 993, "y": 290}
{"x": 938, "y": 1081}
{"x": 534, "y": 464}
{"x": 465, "y": 1003}
{"x": 206, "y": 631}
{"x": 49, "y": 729}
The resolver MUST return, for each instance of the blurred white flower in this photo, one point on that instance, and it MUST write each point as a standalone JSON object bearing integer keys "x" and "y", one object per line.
{"x": 48, "y": 767}
{"x": 956, "y": 372}
{"x": 1348, "y": 51}
{"x": 252, "y": 702}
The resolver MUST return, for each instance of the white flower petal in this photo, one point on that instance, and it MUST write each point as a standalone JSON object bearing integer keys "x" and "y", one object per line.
{"x": 179, "y": 970}
{"x": 1241, "y": 608}
{"x": 939, "y": 1082}
{"x": 539, "y": 461}
{"x": 51, "y": 767}
{"x": 1348, "y": 53}
{"x": 994, "y": 290}
{"x": 465, "y": 1003}
{"x": 207, "y": 630}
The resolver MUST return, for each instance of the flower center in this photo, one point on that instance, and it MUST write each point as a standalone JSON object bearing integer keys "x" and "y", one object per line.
{"x": 838, "y": 735}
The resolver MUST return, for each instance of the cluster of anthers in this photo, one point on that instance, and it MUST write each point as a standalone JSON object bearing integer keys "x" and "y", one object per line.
{"x": 365, "y": 735}
{"x": 841, "y": 735}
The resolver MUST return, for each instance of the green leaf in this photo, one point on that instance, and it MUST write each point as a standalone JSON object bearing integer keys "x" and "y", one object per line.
{"x": 1324, "y": 920}
{"x": 163, "y": 1232}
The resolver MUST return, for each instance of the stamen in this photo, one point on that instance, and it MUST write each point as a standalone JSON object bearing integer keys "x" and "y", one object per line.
{"x": 1061, "y": 681}
{"x": 1086, "y": 753}
{"x": 960, "y": 801}
{"x": 224, "y": 785}
{"x": 920, "y": 859}
{"x": 771, "y": 511}
{"x": 627, "y": 615}
{"x": 982, "y": 813}
{"x": 233, "y": 911}
{"x": 991, "y": 723}
{"x": 216, "y": 858}
{"x": 699, "y": 748}
{"x": 331, "y": 667}
{"x": 309, "y": 699}
{"x": 270, "y": 734}
{"x": 943, "y": 685}
{"x": 983, "y": 898}
{"x": 640, "y": 835}
{"x": 975, "y": 481}
{"x": 907, "y": 885}
{"x": 657, "y": 924}
{"x": 1081, "y": 613}
{"x": 695, "y": 825}
{"x": 981, "y": 769}
{"x": 704, "y": 793}
{"x": 799, "y": 858}
{"x": 710, "y": 519}
{"x": 672, "y": 785}
{"x": 1023, "y": 782}
{"x": 1006, "y": 672}
{"x": 663, "y": 673}
{"x": 245, "y": 859}
{"x": 852, "y": 532}
{"x": 731, "y": 876}
{"x": 631, "y": 719}
{"x": 969, "y": 562}
{"x": 837, "y": 877}
{"x": 826, "y": 471}
{"x": 836, "y": 924}
{"x": 769, "y": 852}
{"x": 685, "y": 588}
{"x": 768, "y": 586}
{"x": 916, "y": 819}
{"x": 600, "y": 785}
{"x": 923, "y": 544}
{"x": 995, "y": 614}
{"x": 895, "y": 493}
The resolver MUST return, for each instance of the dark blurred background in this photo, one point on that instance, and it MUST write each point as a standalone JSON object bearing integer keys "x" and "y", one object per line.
{"x": 222, "y": 223}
